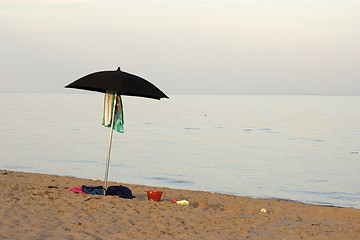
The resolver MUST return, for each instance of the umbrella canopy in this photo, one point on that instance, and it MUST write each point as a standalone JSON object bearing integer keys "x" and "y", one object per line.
{"x": 118, "y": 81}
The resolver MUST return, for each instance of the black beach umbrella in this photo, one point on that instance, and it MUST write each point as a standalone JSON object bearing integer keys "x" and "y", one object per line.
{"x": 119, "y": 83}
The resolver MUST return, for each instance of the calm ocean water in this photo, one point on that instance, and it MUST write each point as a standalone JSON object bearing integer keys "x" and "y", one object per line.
{"x": 301, "y": 148}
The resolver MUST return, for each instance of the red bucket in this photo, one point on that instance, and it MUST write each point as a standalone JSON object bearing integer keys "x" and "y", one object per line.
{"x": 154, "y": 195}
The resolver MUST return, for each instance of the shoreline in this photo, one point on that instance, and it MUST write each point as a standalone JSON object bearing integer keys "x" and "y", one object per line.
{"x": 41, "y": 206}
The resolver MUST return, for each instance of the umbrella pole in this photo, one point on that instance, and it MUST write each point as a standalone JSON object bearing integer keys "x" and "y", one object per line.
{"x": 110, "y": 140}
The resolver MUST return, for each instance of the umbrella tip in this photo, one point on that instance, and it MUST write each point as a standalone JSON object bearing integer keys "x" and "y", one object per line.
{"x": 118, "y": 69}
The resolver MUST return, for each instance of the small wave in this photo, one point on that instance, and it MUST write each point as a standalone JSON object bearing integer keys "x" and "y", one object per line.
{"x": 122, "y": 166}
{"x": 269, "y": 130}
{"x": 248, "y": 130}
{"x": 191, "y": 128}
{"x": 307, "y": 139}
{"x": 75, "y": 161}
{"x": 165, "y": 142}
{"x": 171, "y": 180}
{"x": 15, "y": 167}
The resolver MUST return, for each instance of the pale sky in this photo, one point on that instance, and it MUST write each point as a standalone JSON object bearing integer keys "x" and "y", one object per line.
{"x": 184, "y": 46}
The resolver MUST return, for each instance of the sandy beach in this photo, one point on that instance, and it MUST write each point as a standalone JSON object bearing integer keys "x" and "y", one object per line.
{"x": 40, "y": 206}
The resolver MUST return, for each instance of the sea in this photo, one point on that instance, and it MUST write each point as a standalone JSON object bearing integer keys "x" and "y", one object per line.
{"x": 296, "y": 148}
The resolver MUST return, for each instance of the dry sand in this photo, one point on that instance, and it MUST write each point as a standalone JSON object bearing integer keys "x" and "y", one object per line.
{"x": 39, "y": 206}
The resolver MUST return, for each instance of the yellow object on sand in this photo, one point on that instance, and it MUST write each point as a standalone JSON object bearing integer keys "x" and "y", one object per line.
{"x": 183, "y": 202}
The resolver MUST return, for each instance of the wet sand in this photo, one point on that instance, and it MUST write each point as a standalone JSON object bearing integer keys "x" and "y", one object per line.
{"x": 40, "y": 206}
